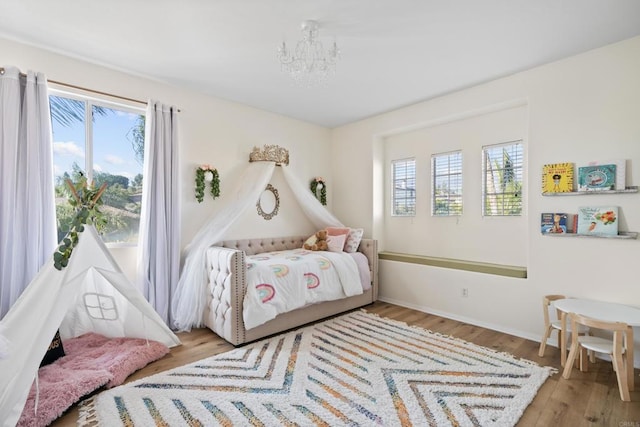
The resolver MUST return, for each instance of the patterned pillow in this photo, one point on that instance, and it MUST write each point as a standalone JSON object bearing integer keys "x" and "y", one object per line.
{"x": 353, "y": 240}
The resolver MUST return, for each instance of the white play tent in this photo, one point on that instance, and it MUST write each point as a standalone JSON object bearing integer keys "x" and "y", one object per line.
{"x": 90, "y": 295}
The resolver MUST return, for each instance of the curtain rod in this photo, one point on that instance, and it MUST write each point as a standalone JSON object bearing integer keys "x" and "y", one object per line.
{"x": 88, "y": 90}
{"x": 98, "y": 92}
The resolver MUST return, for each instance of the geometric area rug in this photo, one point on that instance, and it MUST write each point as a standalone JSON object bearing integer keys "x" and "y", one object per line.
{"x": 356, "y": 369}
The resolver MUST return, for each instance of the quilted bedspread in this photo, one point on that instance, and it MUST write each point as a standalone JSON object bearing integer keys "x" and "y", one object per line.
{"x": 278, "y": 282}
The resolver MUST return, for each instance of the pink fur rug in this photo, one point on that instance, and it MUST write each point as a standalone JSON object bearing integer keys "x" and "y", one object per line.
{"x": 91, "y": 361}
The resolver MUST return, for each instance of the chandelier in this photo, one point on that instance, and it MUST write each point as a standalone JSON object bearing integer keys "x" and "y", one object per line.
{"x": 309, "y": 62}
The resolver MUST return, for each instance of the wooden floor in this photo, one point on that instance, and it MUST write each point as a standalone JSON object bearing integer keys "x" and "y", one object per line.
{"x": 587, "y": 399}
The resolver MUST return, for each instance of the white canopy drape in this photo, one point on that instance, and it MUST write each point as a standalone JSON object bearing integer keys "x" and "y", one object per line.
{"x": 190, "y": 297}
{"x": 159, "y": 241}
{"x": 312, "y": 208}
{"x": 27, "y": 204}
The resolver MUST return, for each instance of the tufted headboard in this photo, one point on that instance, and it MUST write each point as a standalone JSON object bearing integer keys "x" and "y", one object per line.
{"x": 255, "y": 246}
{"x": 270, "y": 244}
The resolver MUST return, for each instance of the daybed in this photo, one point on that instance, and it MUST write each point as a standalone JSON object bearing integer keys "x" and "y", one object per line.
{"x": 227, "y": 270}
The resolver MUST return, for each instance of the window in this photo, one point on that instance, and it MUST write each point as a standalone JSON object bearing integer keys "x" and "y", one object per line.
{"x": 502, "y": 179}
{"x": 105, "y": 143}
{"x": 446, "y": 195}
{"x": 404, "y": 187}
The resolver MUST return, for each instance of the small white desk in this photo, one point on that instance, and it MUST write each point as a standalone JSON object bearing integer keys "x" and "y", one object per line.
{"x": 608, "y": 311}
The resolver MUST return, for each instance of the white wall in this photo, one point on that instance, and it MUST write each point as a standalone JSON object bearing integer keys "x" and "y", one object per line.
{"x": 211, "y": 130}
{"x": 450, "y": 236}
{"x": 579, "y": 109}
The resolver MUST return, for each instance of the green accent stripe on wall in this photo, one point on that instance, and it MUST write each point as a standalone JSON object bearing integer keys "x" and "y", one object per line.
{"x": 458, "y": 264}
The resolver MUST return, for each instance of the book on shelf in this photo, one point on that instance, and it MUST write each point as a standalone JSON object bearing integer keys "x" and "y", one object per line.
{"x": 557, "y": 178}
{"x": 598, "y": 220}
{"x": 558, "y": 223}
{"x": 621, "y": 170}
{"x": 597, "y": 177}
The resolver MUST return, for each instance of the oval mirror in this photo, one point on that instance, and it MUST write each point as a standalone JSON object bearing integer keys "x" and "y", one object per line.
{"x": 268, "y": 203}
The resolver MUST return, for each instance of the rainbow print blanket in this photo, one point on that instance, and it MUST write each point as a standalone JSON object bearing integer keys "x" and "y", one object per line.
{"x": 278, "y": 282}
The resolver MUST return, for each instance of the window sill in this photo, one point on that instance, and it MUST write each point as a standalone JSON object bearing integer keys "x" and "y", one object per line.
{"x": 457, "y": 264}
{"x": 120, "y": 245}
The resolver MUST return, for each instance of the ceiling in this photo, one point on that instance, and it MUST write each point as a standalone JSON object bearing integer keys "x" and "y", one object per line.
{"x": 394, "y": 52}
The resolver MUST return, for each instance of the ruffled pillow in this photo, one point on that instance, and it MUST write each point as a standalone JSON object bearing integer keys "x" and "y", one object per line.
{"x": 353, "y": 240}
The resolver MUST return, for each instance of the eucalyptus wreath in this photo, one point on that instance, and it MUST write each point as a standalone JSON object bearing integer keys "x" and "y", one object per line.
{"x": 200, "y": 182}
{"x": 319, "y": 182}
{"x": 85, "y": 200}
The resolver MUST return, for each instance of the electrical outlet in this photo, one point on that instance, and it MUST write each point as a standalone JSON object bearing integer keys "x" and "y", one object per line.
{"x": 465, "y": 292}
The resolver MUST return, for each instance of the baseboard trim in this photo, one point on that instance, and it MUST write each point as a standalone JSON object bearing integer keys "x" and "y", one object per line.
{"x": 518, "y": 272}
{"x": 464, "y": 319}
{"x": 553, "y": 341}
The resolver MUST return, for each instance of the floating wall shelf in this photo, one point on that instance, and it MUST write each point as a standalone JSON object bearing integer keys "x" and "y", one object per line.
{"x": 621, "y": 235}
{"x": 633, "y": 189}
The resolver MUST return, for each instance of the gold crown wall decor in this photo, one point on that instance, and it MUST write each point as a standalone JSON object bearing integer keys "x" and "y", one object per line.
{"x": 270, "y": 153}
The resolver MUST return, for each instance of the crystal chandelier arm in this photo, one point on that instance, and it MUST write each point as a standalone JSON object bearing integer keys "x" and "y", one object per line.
{"x": 283, "y": 54}
{"x": 308, "y": 62}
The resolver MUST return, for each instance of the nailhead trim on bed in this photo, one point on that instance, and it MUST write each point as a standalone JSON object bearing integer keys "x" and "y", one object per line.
{"x": 227, "y": 279}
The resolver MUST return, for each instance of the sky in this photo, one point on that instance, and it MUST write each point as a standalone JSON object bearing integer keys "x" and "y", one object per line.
{"x": 113, "y": 152}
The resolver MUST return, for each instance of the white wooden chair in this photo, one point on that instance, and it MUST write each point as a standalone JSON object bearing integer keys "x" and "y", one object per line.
{"x": 615, "y": 348}
{"x": 553, "y": 325}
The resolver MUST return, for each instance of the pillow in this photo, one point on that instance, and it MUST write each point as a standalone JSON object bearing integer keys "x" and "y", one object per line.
{"x": 353, "y": 240}
{"x": 120, "y": 356}
{"x": 91, "y": 361}
{"x": 336, "y": 243}
{"x": 54, "y": 352}
{"x": 337, "y": 231}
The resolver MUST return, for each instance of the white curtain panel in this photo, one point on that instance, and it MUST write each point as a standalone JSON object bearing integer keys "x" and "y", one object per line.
{"x": 159, "y": 237}
{"x": 27, "y": 204}
{"x": 4, "y": 344}
{"x": 190, "y": 298}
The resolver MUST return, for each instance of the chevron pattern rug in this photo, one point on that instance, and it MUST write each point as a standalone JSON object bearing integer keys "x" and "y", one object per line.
{"x": 356, "y": 369}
